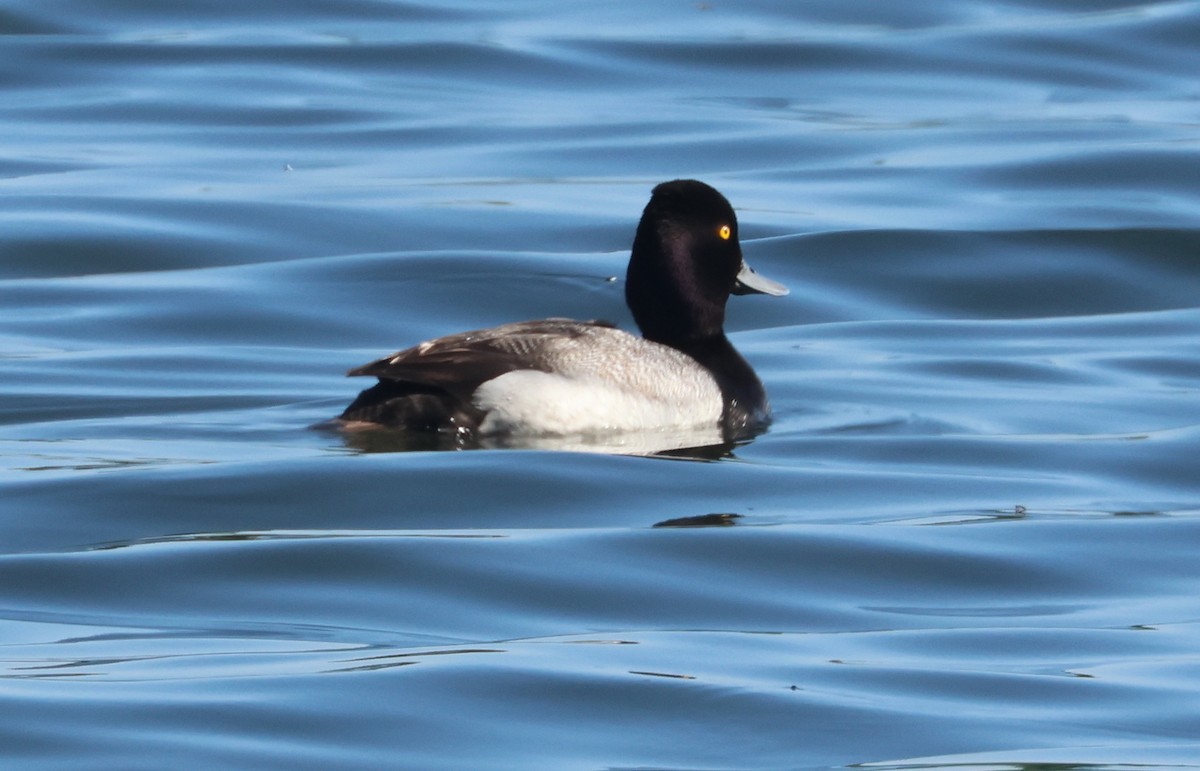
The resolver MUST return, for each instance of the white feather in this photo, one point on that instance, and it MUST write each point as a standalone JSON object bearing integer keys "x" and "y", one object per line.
{"x": 609, "y": 381}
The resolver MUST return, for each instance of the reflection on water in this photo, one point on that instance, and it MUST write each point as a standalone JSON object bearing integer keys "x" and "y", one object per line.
{"x": 697, "y": 444}
{"x": 701, "y": 520}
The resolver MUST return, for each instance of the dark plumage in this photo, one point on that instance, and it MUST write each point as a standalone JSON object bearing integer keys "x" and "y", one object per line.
{"x": 429, "y": 386}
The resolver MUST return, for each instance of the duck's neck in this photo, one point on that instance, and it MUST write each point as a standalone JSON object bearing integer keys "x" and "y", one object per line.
{"x": 746, "y": 408}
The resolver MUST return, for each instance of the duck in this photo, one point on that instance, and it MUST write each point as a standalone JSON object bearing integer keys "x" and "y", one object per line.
{"x": 559, "y": 377}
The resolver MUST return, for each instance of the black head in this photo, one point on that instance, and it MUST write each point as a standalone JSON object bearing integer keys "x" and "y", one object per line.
{"x": 686, "y": 261}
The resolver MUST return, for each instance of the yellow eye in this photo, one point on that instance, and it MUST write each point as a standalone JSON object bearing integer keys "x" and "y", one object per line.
{"x": 724, "y": 232}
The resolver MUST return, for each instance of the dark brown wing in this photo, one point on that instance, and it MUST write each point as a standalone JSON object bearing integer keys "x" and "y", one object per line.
{"x": 428, "y": 387}
{"x": 459, "y": 363}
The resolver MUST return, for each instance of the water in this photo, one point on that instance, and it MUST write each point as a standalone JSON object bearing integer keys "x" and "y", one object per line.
{"x": 968, "y": 540}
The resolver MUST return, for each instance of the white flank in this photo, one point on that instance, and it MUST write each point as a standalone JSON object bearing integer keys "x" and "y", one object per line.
{"x": 653, "y": 389}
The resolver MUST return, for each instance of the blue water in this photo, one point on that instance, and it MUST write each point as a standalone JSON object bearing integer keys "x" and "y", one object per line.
{"x": 968, "y": 541}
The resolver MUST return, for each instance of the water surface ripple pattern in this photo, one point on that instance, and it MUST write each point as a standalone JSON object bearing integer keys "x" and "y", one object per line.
{"x": 968, "y": 540}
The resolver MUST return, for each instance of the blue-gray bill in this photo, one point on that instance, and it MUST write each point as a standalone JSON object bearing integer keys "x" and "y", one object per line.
{"x": 749, "y": 282}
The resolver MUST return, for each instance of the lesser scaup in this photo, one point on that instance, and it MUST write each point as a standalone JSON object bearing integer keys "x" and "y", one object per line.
{"x": 557, "y": 377}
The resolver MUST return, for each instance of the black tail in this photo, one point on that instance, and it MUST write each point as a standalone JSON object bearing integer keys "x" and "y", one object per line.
{"x": 413, "y": 407}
